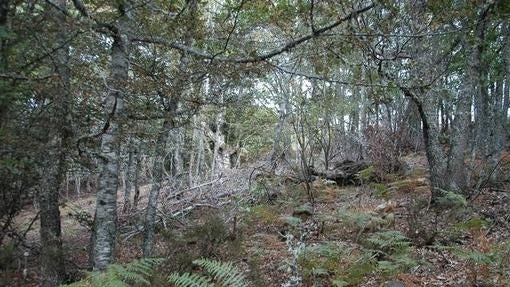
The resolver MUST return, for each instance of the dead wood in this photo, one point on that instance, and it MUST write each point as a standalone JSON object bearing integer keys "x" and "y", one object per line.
{"x": 343, "y": 173}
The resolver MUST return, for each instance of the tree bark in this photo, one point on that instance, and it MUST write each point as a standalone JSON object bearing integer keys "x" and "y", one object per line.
{"x": 482, "y": 110}
{"x": 105, "y": 219}
{"x": 129, "y": 181}
{"x": 221, "y": 157}
{"x": 136, "y": 183}
{"x": 434, "y": 151}
{"x": 169, "y": 129}
{"x": 280, "y": 140}
{"x": 506, "y": 92}
{"x": 54, "y": 164}
{"x": 435, "y": 154}
{"x": 157, "y": 175}
{"x": 457, "y": 173}
{"x": 4, "y": 24}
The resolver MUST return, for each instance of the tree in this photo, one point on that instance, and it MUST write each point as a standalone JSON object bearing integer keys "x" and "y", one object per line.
{"x": 54, "y": 162}
{"x": 105, "y": 218}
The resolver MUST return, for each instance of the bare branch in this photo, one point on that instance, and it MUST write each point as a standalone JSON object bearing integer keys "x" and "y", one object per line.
{"x": 258, "y": 58}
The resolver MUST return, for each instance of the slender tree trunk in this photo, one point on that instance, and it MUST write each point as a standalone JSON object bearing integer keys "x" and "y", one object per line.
{"x": 4, "y": 24}
{"x": 506, "y": 93}
{"x": 498, "y": 118}
{"x": 52, "y": 255}
{"x": 457, "y": 173}
{"x": 411, "y": 124}
{"x": 157, "y": 174}
{"x": 280, "y": 144}
{"x": 168, "y": 128}
{"x": 482, "y": 110}
{"x": 129, "y": 180}
{"x": 137, "y": 179}
{"x": 435, "y": 154}
{"x": 192, "y": 152}
{"x": 196, "y": 153}
{"x": 177, "y": 135}
{"x": 105, "y": 219}
{"x": 77, "y": 183}
{"x": 221, "y": 158}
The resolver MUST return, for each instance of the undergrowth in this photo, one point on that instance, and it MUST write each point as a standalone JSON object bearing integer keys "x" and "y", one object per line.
{"x": 213, "y": 274}
{"x": 135, "y": 273}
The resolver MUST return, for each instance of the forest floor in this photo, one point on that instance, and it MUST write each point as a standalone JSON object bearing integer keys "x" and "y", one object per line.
{"x": 374, "y": 234}
{"x": 353, "y": 235}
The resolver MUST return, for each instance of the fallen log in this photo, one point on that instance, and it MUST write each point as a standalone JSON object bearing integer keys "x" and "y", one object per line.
{"x": 343, "y": 173}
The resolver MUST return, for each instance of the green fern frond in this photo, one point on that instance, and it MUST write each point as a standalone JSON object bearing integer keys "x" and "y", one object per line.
{"x": 218, "y": 274}
{"x": 137, "y": 272}
{"x": 451, "y": 199}
{"x": 226, "y": 274}
{"x": 189, "y": 280}
{"x": 389, "y": 241}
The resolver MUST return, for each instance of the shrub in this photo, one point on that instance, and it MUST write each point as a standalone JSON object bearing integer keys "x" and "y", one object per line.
{"x": 383, "y": 151}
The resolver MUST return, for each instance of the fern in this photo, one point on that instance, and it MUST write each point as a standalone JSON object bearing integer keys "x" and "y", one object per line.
{"x": 395, "y": 249}
{"x": 116, "y": 275}
{"x": 389, "y": 241}
{"x": 220, "y": 273}
{"x": 189, "y": 280}
{"x": 334, "y": 264}
{"x": 451, "y": 199}
{"x": 224, "y": 273}
{"x": 360, "y": 221}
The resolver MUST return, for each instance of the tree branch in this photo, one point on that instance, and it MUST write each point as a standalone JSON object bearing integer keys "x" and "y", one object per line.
{"x": 258, "y": 58}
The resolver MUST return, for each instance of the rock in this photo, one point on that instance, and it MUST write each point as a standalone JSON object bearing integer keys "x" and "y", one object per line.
{"x": 393, "y": 283}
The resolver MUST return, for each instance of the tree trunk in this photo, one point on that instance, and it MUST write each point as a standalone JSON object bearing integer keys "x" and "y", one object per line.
{"x": 129, "y": 175}
{"x": 435, "y": 154}
{"x": 457, "y": 173}
{"x": 221, "y": 158}
{"x": 482, "y": 111}
{"x": 4, "y": 24}
{"x": 157, "y": 178}
{"x": 137, "y": 179}
{"x": 411, "y": 124}
{"x": 52, "y": 255}
{"x": 506, "y": 92}
{"x": 105, "y": 219}
{"x": 168, "y": 129}
{"x": 280, "y": 142}
{"x": 177, "y": 135}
